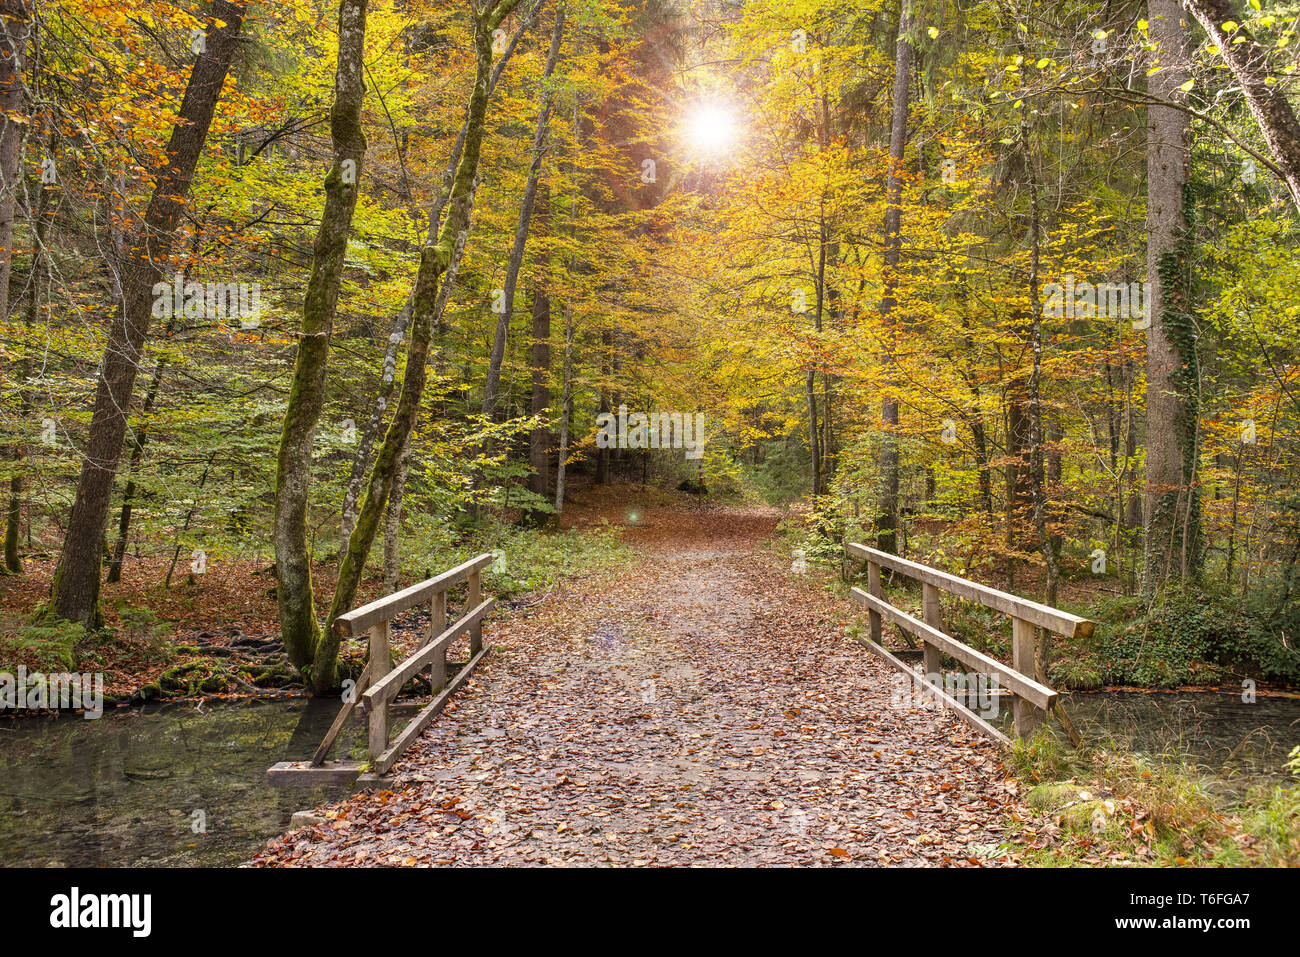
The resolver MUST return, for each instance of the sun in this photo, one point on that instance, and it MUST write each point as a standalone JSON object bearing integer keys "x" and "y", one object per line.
{"x": 712, "y": 129}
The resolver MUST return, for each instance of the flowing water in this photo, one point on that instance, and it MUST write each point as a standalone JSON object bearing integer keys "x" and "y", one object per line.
{"x": 175, "y": 785}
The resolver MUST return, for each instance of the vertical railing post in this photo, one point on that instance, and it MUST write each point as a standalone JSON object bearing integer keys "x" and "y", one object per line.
{"x": 380, "y": 665}
{"x": 1024, "y": 638}
{"x": 932, "y": 612}
{"x": 472, "y": 602}
{"x": 873, "y": 589}
{"x": 437, "y": 625}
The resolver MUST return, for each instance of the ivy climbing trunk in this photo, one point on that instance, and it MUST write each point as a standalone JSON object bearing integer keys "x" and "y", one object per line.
{"x": 434, "y": 262}
{"x": 75, "y": 590}
{"x": 1172, "y": 522}
{"x": 299, "y": 628}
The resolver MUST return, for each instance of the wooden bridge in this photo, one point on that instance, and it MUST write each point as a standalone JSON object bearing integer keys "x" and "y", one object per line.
{"x": 381, "y": 680}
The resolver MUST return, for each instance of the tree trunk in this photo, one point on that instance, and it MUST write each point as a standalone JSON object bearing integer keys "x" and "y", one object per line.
{"x": 1248, "y": 62}
{"x": 525, "y": 216}
{"x": 393, "y": 523}
{"x": 887, "y": 523}
{"x": 434, "y": 262}
{"x": 566, "y": 411}
{"x": 17, "y": 24}
{"x": 13, "y": 563}
{"x": 140, "y": 437}
{"x": 1171, "y": 544}
{"x": 299, "y": 628}
{"x": 75, "y": 589}
{"x": 539, "y": 439}
{"x": 402, "y": 320}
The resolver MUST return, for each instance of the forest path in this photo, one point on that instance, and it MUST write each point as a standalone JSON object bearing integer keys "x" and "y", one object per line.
{"x": 700, "y": 707}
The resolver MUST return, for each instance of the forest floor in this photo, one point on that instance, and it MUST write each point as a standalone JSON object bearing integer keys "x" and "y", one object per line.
{"x": 701, "y": 706}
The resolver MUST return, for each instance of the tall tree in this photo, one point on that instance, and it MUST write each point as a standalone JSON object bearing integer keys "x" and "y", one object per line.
{"x": 15, "y": 26}
{"x": 75, "y": 589}
{"x": 525, "y": 217}
{"x": 887, "y": 523}
{"x": 1172, "y": 541}
{"x": 434, "y": 262}
{"x": 298, "y": 625}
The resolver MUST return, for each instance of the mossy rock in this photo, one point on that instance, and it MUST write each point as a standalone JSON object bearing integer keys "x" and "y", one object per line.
{"x": 1054, "y": 795}
{"x": 1095, "y": 816}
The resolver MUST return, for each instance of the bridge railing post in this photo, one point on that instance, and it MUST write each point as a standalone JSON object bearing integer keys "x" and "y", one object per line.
{"x": 472, "y": 602}
{"x": 932, "y": 615}
{"x": 380, "y": 664}
{"x": 437, "y": 625}
{"x": 1024, "y": 642}
{"x": 873, "y": 588}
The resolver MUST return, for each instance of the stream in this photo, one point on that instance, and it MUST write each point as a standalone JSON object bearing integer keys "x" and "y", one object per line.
{"x": 174, "y": 785}
{"x": 165, "y": 785}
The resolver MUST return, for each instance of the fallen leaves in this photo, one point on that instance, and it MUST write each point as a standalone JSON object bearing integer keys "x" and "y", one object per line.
{"x": 599, "y": 733}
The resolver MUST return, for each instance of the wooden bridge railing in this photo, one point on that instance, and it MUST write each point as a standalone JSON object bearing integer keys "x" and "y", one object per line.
{"x": 380, "y": 680}
{"x": 1026, "y": 618}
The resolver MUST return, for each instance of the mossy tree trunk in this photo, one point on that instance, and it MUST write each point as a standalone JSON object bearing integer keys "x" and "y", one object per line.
{"x": 299, "y": 628}
{"x": 434, "y": 262}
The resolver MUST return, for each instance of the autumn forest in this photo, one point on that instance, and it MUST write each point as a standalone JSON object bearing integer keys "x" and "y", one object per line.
{"x": 305, "y": 302}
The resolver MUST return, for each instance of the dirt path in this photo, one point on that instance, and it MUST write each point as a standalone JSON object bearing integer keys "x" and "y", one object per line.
{"x": 703, "y": 707}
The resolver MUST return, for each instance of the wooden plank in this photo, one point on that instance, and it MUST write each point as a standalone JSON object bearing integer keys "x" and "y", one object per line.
{"x": 361, "y": 619}
{"x": 302, "y": 773}
{"x": 437, "y": 625}
{"x": 932, "y": 612}
{"x": 380, "y": 662}
{"x": 1060, "y": 622}
{"x": 963, "y": 712}
{"x": 476, "y": 627}
{"x": 319, "y": 757}
{"x": 427, "y": 714}
{"x": 1024, "y": 641}
{"x": 388, "y": 686}
{"x": 873, "y": 586}
{"x": 1022, "y": 686}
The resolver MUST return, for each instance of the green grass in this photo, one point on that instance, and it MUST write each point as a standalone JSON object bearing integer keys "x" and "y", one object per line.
{"x": 1117, "y": 806}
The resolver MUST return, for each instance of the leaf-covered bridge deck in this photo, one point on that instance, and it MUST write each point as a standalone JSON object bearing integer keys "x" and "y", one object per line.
{"x": 703, "y": 707}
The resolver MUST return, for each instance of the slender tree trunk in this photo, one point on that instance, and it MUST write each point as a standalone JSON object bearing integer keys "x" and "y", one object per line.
{"x": 1172, "y": 510}
{"x": 887, "y": 523}
{"x": 299, "y": 628}
{"x": 1265, "y": 95}
{"x": 539, "y": 439}
{"x": 525, "y": 216}
{"x": 566, "y": 411}
{"x": 434, "y": 262}
{"x": 75, "y": 589}
{"x": 13, "y": 517}
{"x": 140, "y": 437}
{"x": 15, "y": 24}
{"x": 401, "y": 321}
{"x": 393, "y": 523}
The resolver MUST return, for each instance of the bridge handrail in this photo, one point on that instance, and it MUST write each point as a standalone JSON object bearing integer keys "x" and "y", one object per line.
{"x": 380, "y": 680}
{"x": 1026, "y": 618}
